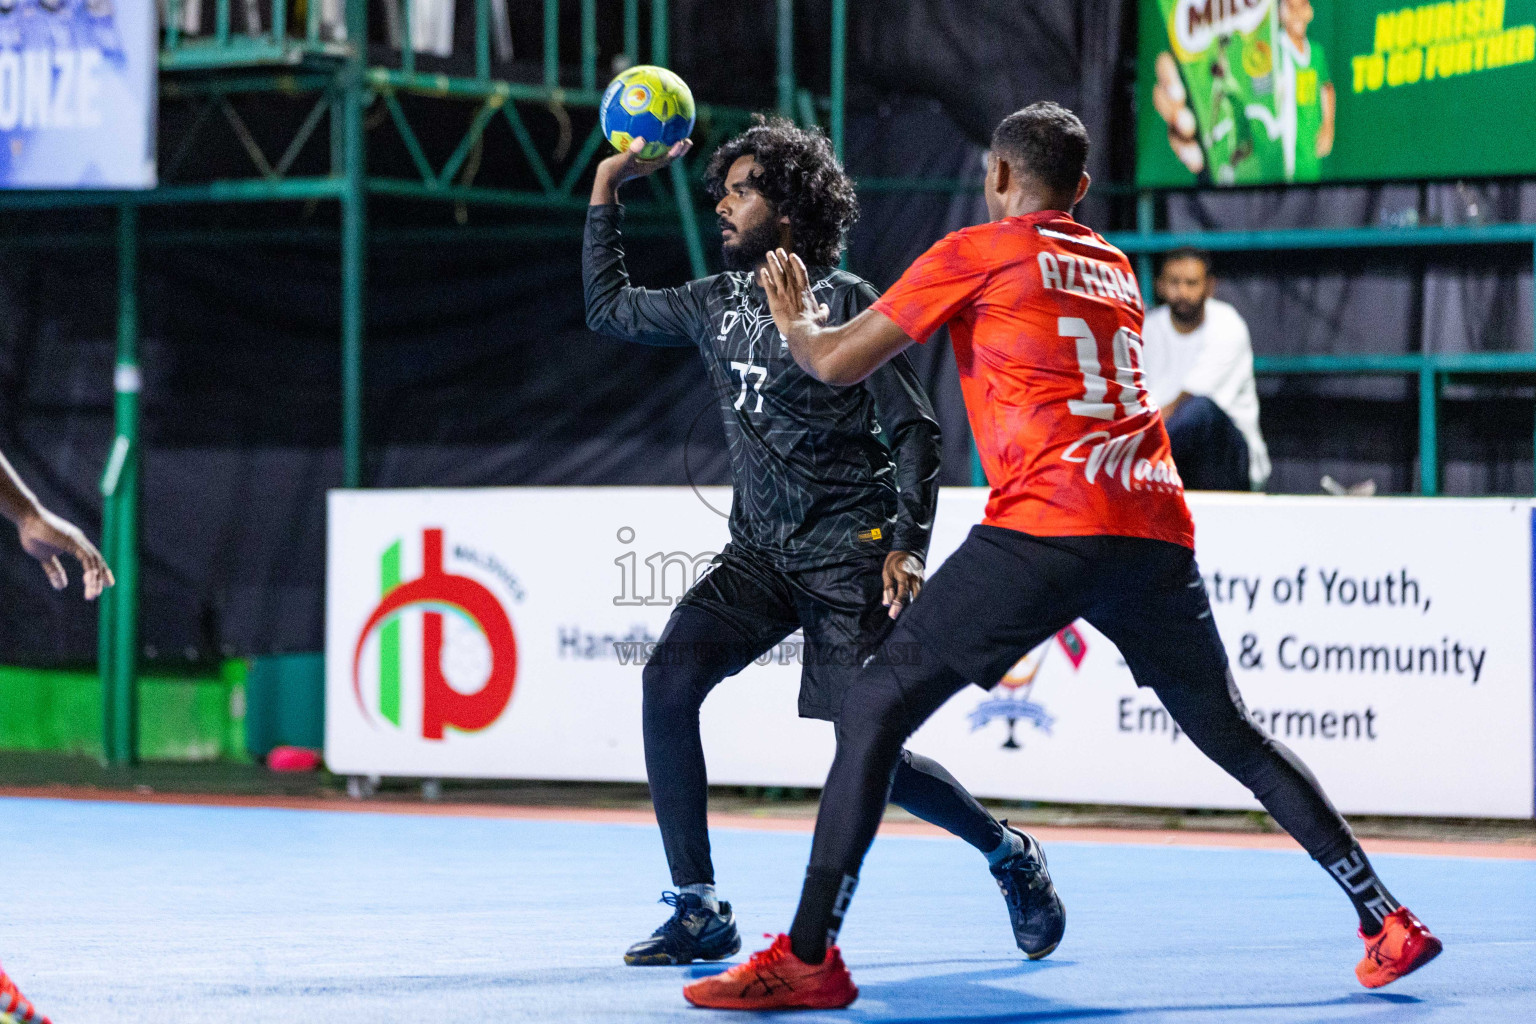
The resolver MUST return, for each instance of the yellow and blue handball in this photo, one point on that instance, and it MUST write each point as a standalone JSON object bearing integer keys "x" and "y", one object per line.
{"x": 647, "y": 102}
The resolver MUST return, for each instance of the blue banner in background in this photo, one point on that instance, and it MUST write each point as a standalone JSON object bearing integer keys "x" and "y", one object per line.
{"x": 77, "y": 93}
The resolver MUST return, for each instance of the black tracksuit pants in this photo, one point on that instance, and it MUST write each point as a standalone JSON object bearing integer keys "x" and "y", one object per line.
{"x": 997, "y": 597}
{"x": 738, "y": 611}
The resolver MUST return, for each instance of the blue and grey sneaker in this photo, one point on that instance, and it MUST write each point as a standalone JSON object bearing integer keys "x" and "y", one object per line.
{"x": 1039, "y": 920}
{"x": 691, "y": 933}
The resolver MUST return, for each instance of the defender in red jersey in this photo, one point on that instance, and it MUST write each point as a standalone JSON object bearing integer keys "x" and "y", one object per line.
{"x": 1086, "y": 520}
{"x": 1045, "y": 317}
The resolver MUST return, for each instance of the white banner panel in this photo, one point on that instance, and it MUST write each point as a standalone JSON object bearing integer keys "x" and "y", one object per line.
{"x": 500, "y": 633}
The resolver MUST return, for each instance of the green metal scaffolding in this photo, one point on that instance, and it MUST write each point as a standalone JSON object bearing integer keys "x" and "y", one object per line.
{"x": 298, "y": 60}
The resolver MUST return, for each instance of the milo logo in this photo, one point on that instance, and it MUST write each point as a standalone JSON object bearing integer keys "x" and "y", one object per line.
{"x": 1196, "y": 24}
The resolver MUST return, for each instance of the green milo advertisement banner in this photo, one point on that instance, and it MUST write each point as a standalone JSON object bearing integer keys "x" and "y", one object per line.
{"x": 1260, "y": 92}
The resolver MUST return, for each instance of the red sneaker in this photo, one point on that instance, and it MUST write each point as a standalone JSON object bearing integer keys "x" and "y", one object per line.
{"x": 1401, "y": 947}
{"x": 776, "y": 979}
{"x": 16, "y": 1007}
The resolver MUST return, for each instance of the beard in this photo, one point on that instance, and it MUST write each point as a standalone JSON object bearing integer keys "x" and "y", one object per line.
{"x": 1187, "y": 312}
{"x": 751, "y": 247}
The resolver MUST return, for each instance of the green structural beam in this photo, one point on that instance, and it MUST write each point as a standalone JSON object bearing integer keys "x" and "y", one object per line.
{"x": 1429, "y": 439}
{"x": 1145, "y": 221}
{"x": 118, "y": 633}
{"x": 404, "y": 188}
{"x": 588, "y": 44}
{"x": 1431, "y": 369}
{"x": 1409, "y": 363}
{"x": 354, "y": 253}
{"x": 285, "y": 82}
{"x": 660, "y": 33}
{"x": 785, "y": 58}
{"x": 552, "y": 43}
{"x": 632, "y": 30}
{"x": 239, "y": 190}
{"x": 839, "y": 75}
{"x": 407, "y": 37}
{"x": 483, "y": 39}
{"x": 688, "y": 218}
{"x": 246, "y": 52}
{"x": 649, "y": 220}
{"x": 1324, "y": 238}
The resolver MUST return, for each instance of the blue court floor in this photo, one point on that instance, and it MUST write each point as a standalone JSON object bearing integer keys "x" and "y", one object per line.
{"x": 136, "y": 912}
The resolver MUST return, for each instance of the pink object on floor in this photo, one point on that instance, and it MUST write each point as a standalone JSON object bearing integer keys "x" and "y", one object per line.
{"x": 293, "y": 759}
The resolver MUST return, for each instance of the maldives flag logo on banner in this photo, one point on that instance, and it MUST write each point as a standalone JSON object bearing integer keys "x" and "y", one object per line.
{"x": 1073, "y": 645}
{"x": 459, "y": 619}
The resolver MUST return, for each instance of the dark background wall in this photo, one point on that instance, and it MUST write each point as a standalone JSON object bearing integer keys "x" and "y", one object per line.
{"x": 480, "y": 370}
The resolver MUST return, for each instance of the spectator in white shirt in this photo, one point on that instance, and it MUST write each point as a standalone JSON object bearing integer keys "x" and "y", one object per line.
{"x": 1198, "y": 363}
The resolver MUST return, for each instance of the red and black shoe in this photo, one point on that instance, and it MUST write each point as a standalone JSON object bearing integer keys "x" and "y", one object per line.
{"x": 1401, "y": 947}
{"x": 776, "y": 979}
{"x": 16, "y": 1007}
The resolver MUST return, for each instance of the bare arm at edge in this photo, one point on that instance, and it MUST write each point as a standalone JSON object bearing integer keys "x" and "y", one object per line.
{"x": 46, "y": 536}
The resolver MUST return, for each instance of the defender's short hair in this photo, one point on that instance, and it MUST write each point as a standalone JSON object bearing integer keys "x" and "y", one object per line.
{"x": 1188, "y": 252}
{"x": 1048, "y": 140}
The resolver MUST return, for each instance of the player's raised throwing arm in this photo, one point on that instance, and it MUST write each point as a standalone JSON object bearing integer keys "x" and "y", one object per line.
{"x": 660, "y": 316}
{"x": 46, "y": 536}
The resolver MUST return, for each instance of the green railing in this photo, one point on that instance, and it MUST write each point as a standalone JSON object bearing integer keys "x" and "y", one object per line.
{"x": 223, "y": 47}
{"x": 298, "y": 56}
{"x": 1431, "y": 369}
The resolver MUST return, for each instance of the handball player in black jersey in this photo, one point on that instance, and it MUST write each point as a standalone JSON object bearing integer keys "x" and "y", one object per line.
{"x": 829, "y": 525}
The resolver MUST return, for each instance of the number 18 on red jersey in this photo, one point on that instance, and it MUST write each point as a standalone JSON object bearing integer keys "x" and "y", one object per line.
{"x": 1045, "y": 319}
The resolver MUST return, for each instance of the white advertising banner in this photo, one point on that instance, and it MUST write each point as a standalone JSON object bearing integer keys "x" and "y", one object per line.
{"x": 502, "y": 633}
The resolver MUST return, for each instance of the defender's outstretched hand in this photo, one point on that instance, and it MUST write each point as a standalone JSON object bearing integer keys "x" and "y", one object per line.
{"x": 788, "y": 285}
{"x": 833, "y": 355}
{"x": 627, "y": 166}
{"x": 47, "y": 537}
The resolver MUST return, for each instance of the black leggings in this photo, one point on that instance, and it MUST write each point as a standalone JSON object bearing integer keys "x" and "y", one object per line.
{"x": 1001, "y": 594}
{"x": 696, "y": 652}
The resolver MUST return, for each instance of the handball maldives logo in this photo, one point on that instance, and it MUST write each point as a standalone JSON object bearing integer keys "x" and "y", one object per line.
{"x": 459, "y": 617}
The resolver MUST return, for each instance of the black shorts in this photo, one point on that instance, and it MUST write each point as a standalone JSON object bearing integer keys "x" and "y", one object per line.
{"x": 1003, "y": 593}
{"x": 839, "y": 608}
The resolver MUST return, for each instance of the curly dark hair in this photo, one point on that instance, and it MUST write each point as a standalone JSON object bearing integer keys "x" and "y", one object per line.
{"x": 801, "y": 177}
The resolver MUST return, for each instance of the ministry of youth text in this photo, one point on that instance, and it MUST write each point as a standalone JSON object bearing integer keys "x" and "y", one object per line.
{"x": 1329, "y": 586}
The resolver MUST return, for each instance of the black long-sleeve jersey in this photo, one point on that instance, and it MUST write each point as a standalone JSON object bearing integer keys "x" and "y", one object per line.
{"x": 814, "y": 484}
